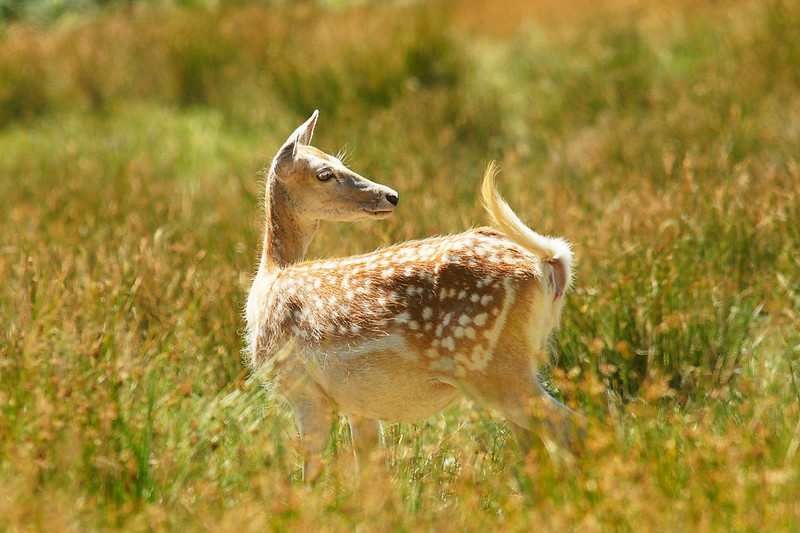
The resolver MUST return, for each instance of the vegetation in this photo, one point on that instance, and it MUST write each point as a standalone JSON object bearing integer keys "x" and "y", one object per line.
{"x": 660, "y": 138}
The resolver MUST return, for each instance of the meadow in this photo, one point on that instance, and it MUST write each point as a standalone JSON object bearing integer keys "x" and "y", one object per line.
{"x": 661, "y": 138}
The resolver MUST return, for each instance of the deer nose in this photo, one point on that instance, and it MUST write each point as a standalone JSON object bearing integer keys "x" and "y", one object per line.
{"x": 392, "y": 198}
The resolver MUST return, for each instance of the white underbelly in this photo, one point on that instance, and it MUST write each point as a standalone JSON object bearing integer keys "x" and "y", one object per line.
{"x": 382, "y": 380}
{"x": 395, "y": 401}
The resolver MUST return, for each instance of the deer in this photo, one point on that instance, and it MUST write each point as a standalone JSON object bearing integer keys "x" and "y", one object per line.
{"x": 399, "y": 334}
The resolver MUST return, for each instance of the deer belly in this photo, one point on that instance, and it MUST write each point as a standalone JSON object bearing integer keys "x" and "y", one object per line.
{"x": 392, "y": 401}
{"x": 383, "y": 384}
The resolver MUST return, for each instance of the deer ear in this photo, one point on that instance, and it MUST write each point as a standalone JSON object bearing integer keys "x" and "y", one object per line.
{"x": 306, "y": 131}
{"x": 300, "y": 137}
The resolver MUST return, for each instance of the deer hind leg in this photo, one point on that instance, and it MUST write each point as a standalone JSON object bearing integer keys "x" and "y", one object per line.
{"x": 540, "y": 412}
{"x": 515, "y": 391}
{"x": 567, "y": 426}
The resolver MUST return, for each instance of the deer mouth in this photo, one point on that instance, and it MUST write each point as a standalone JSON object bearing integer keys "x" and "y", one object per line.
{"x": 378, "y": 213}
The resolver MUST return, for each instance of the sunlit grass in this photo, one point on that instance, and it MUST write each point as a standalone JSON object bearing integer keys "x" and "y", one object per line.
{"x": 661, "y": 140}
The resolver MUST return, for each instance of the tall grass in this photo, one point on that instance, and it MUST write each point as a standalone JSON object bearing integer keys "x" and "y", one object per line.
{"x": 661, "y": 140}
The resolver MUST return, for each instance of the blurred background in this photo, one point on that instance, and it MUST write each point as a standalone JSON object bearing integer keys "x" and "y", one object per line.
{"x": 661, "y": 138}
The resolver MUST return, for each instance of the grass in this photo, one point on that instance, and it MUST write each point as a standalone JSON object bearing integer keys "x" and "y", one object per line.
{"x": 660, "y": 139}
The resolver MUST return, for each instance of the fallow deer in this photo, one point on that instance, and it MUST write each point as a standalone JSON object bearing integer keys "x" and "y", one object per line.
{"x": 400, "y": 333}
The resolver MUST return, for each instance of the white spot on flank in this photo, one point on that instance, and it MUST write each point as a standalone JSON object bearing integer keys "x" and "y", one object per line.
{"x": 470, "y": 333}
{"x": 388, "y": 272}
{"x": 382, "y": 300}
{"x": 474, "y": 298}
{"x": 427, "y": 313}
{"x": 413, "y": 325}
{"x": 402, "y": 317}
{"x": 480, "y": 319}
{"x": 486, "y": 299}
{"x": 449, "y": 343}
{"x": 464, "y": 320}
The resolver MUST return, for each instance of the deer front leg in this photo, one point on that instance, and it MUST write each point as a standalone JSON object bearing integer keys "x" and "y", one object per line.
{"x": 313, "y": 415}
{"x": 312, "y": 408}
{"x": 366, "y": 434}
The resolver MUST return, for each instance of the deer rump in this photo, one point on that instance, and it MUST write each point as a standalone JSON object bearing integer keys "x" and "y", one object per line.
{"x": 400, "y": 333}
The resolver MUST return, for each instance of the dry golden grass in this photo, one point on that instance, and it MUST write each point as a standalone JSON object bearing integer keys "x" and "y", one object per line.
{"x": 662, "y": 139}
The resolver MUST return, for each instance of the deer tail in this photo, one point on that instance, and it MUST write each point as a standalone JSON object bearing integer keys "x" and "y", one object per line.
{"x": 553, "y": 251}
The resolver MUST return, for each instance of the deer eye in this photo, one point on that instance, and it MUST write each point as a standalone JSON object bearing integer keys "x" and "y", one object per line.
{"x": 325, "y": 176}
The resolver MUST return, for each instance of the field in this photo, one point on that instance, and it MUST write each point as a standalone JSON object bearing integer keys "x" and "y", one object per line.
{"x": 661, "y": 138}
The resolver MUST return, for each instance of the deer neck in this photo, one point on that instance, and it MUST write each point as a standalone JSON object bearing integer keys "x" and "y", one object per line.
{"x": 288, "y": 233}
